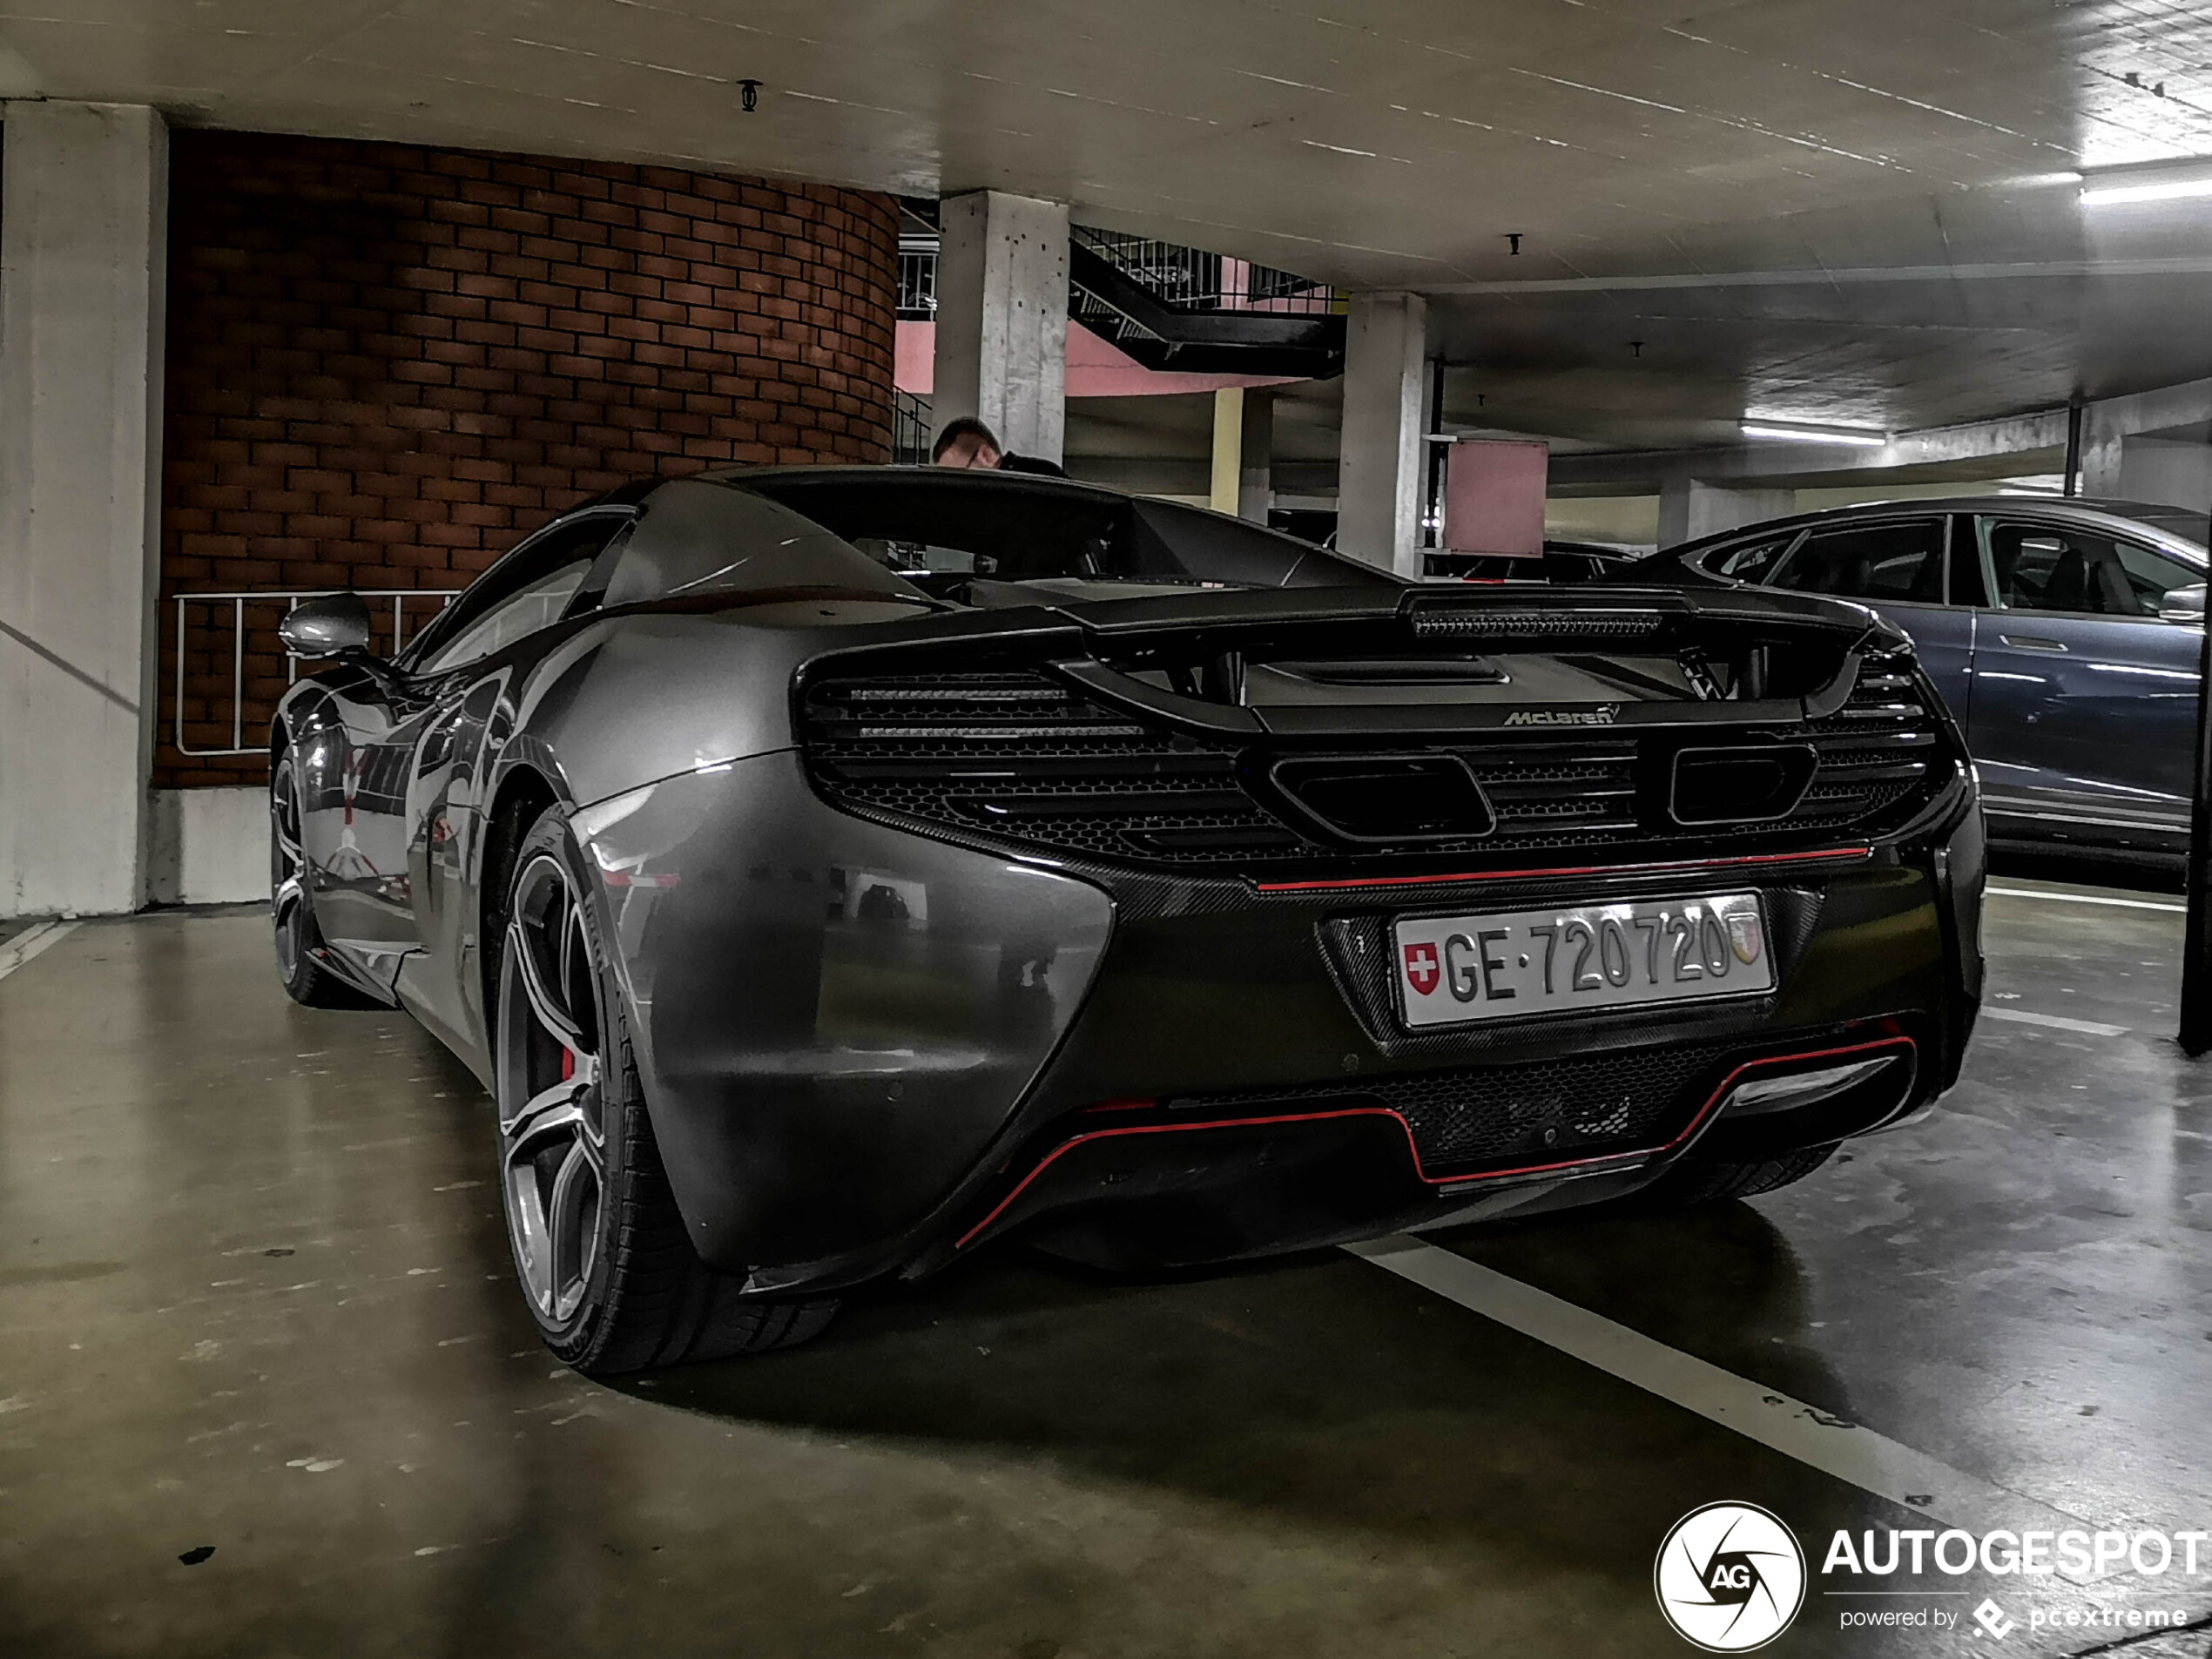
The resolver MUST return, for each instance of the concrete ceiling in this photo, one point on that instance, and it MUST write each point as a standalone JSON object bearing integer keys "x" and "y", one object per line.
{"x": 1827, "y": 209}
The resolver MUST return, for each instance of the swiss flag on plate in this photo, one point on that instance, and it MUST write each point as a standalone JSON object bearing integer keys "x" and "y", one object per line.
{"x": 1421, "y": 970}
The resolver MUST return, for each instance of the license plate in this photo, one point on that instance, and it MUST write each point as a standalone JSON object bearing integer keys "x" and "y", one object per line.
{"x": 1454, "y": 970}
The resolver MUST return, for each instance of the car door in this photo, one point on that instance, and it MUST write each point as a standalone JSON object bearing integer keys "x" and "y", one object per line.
{"x": 2084, "y": 700}
{"x": 419, "y": 729}
{"x": 1900, "y": 566}
{"x": 354, "y": 868}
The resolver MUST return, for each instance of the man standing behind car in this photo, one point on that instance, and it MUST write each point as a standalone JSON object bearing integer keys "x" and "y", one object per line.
{"x": 967, "y": 443}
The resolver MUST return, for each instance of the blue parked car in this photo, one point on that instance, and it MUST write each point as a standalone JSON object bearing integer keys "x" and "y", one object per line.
{"x": 2063, "y": 633}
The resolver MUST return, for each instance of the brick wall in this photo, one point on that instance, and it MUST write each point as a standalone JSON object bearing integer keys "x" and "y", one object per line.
{"x": 386, "y": 364}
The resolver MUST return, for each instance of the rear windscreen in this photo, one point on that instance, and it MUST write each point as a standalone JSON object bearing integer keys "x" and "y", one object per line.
{"x": 1016, "y": 530}
{"x": 695, "y": 538}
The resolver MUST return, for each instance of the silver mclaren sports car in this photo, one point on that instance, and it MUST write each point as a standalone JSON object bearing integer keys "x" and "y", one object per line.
{"x": 831, "y": 872}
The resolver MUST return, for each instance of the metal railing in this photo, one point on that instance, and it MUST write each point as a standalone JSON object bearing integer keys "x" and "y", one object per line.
{"x": 1102, "y": 318}
{"x": 1183, "y": 279}
{"x": 1189, "y": 278}
{"x": 267, "y": 608}
{"x": 917, "y": 279}
{"x": 910, "y": 418}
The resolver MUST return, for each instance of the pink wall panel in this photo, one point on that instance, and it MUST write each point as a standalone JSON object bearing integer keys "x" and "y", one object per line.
{"x": 1493, "y": 496}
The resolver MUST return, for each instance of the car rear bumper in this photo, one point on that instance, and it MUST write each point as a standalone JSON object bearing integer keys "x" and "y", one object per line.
{"x": 1169, "y": 1069}
{"x": 1224, "y": 1066}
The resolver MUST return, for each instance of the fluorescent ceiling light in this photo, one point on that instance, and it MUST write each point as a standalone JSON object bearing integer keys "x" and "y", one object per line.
{"x": 1857, "y": 437}
{"x": 2159, "y": 182}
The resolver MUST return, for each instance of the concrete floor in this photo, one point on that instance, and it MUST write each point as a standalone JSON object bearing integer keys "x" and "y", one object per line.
{"x": 255, "y": 1297}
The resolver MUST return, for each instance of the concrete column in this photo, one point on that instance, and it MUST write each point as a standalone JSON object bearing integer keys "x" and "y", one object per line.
{"x": 1256, "y": 464}
{"x": 2103, "y": 440}
{"x": 83, "y": 244}
{"x": 1379, "y": 474}
{"x": 1002, "y": 318}
{"x": 1689, "y": 508}
{"x": 2170, "y": 472}
{"x": 1228, "y": 448}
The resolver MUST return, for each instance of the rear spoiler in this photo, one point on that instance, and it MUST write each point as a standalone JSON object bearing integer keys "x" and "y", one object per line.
{"x": 1598, "y": 617}
{"x": 1097, "y": 647}
{"x": 1603, "y": 620}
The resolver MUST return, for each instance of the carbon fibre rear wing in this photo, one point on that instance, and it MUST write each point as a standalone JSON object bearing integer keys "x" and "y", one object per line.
{"x": 1752, "y": 659}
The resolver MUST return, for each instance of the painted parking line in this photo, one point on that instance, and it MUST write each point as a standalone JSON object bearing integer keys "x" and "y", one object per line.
{"x": 2087, "y": 898}
{"x": 28, "y": 943}
{"x": 2056, "y": 1022}
{"x": 1870, "y": 1461}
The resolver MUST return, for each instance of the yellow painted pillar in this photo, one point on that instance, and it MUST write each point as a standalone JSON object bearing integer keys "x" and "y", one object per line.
{"x": 1228, "y": 449}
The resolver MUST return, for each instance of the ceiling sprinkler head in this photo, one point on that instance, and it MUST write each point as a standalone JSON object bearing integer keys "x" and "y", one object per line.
{"x": 749, "y": 95}
{"x": 1513, "y": 241}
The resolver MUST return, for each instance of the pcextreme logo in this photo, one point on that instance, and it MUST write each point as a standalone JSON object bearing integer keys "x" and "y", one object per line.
{"x": 1992, "y": 1621}
{"x": 1730, "y": 1577}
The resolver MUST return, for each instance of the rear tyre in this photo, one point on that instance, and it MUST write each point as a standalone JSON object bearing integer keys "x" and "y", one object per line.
{"x": 299, "y": 942}
{"x": 1700, "y": 1183}
{"x": 606, "y": 1266}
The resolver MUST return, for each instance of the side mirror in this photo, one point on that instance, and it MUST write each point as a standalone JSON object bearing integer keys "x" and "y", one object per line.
{"x": 2184, "y": 605}
{"x": 334, "y": 626}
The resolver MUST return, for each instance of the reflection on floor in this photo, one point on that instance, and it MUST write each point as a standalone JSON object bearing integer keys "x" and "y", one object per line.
{"x": 256, "y": 1300}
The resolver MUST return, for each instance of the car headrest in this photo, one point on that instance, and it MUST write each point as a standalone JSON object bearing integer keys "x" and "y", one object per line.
{"x": 2068, "y": 588}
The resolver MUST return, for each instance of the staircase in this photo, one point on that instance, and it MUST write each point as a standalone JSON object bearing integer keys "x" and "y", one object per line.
{"x": 1169, "y": 307}
{"x": 1177, "y": 308}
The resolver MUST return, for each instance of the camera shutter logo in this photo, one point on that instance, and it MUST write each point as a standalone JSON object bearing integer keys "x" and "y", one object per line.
{"x": 1730, "y": 1577}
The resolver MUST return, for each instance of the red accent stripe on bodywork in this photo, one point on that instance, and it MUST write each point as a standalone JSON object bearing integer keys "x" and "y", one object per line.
{"x": 1695, "y": 1123}
{"x": 1666, "y": 867}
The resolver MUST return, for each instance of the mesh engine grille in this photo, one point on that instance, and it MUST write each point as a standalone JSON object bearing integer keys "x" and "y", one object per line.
{"x": 1017, "y": 756}
{"x": 1502, "y": 1117}
{"x": 1874, "y": 751}
{"x": 1538, "y": 624}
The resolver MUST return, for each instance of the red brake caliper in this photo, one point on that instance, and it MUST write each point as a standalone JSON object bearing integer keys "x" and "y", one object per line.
{"x": 568, "y": 1064}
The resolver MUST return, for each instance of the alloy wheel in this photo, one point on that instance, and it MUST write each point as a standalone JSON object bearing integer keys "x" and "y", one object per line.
{"x": 288, "y": 870}
{"x": 552, "y": 1139}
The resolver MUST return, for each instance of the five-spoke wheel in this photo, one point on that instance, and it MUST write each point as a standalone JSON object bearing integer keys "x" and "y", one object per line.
{"x": 551, "y": 1124}
{"x": 300, "y": 957}
{"x": 605, "y": 1257}
{"x": 287, "y": 864}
